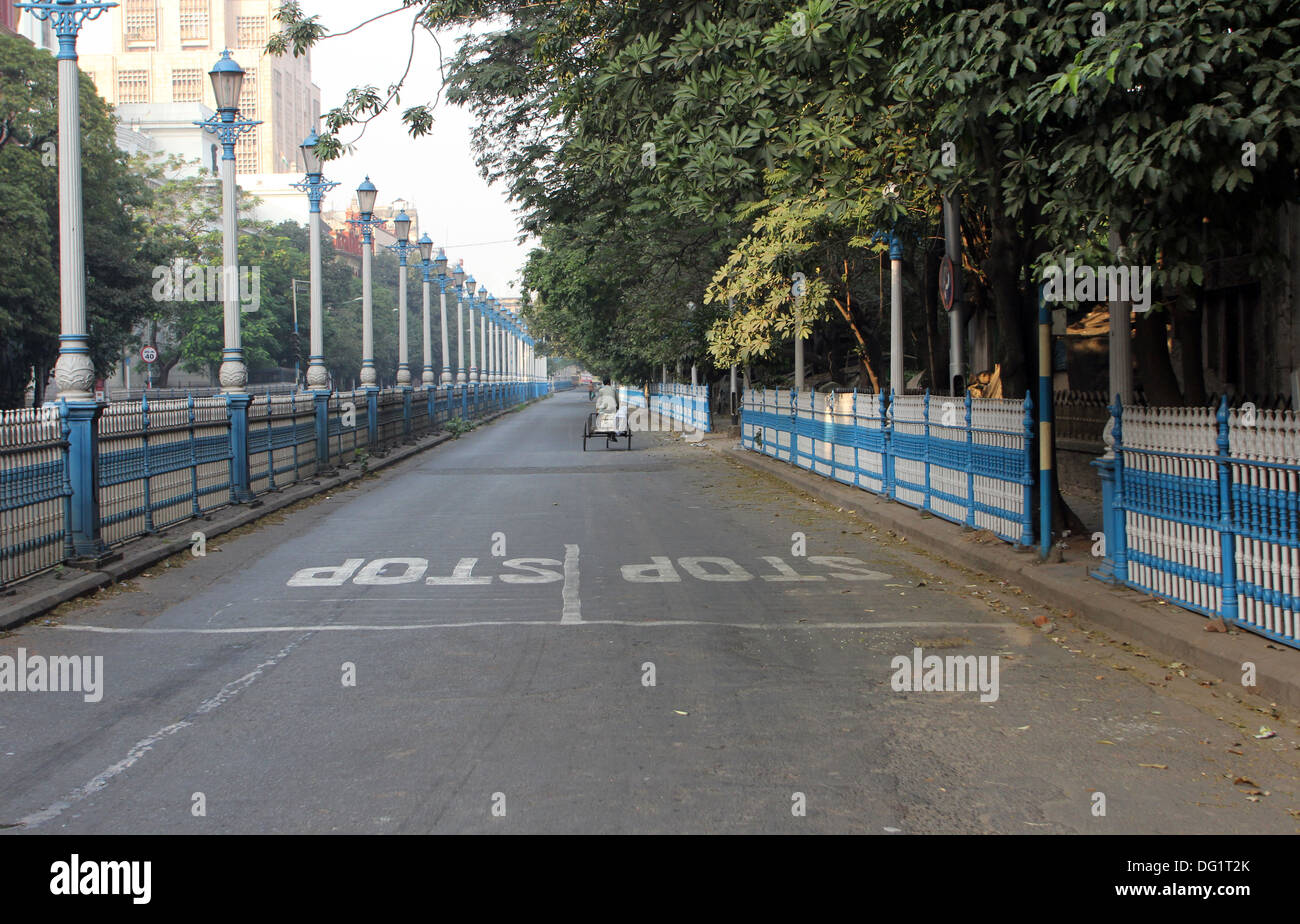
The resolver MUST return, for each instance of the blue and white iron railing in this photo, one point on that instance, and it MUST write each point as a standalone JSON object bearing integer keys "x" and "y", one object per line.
{"x": 161, "y": 462}
{"x": 965, "y": 460}
{"x": 687, "y": 404}
{"x": 34, "y": 491}
{"x": 1202, "y": 508}
{"x": 631, "y": 397}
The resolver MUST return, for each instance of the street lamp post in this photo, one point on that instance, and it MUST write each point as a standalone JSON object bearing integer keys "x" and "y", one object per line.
{"x": 75, "y": 371}
{"x": 464, "y": 302}
{"x": 318, "y": 377}
{"x": 366, "y": 195}
{"x": 403, "y": 246}
{"x": 227, "y": 79}
{"x": 427, "y": 377}
{"x": 444, "y": 280}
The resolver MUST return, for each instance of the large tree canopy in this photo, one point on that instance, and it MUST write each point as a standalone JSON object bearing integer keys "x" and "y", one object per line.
{"x": 692, "y": 151}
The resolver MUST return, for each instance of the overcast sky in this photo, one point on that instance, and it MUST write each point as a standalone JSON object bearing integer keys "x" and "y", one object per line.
{"x": 436, "y": 173}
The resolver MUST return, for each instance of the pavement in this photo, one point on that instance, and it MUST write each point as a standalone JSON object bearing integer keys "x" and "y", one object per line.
{"x": 507, "y": 634}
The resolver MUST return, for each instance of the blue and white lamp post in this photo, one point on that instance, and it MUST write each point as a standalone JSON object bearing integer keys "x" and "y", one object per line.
{"x": 428, "y": 378}
{"x": 464, "y": 302}
{"x": 74, "y": 371}
{"x": 227, "y": 79}
{"x": 366, "y": 195}
{"x": 403, "y": 247}
{"x": 318, "y": 377}
{"x": 444, "y": 280}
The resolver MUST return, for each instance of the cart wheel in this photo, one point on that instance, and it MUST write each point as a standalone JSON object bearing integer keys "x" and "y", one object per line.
{"x": 584, "y": 442}
{"x": 628, "y": 447}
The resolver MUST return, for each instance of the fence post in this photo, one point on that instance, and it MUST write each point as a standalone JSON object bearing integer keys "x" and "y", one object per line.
{"x": 1227, "y": 537}
{"x": 887, "y": 428}
{"x": 1027, "y": 478}
{"x": 1112, "y": 517}
{"x": 237, "y": 408}
{"x": 926, "y": 448}
{"x": 81, "y": 423}
{"x": 322, "y": 399}
{"x": 144, "y": 452}
{"x": 372, "y": 416}
{"x": 270, "y": 445}
{"x": 406, "y": 412}
{"x": 1120, "y": 548}
{"x": 970, "y": 463}
{"x": 195, "y": 508}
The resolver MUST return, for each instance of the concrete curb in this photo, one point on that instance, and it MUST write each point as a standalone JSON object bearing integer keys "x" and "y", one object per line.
{"x": 44, "y": 592}
{"x": 1127, "y": 614}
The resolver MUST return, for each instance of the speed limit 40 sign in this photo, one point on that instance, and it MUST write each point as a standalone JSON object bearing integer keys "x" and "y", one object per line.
{"x": 149, "y": 354}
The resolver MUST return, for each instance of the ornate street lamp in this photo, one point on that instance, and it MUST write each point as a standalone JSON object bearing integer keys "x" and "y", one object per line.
{"x": 444, "y": 280}
{"x": 74, "y": 370}
{"x": 315, "y": 186}
{"x": 403, "y": 246}
{"x": 366, "y": 195}
{"x": 427, "y": 377}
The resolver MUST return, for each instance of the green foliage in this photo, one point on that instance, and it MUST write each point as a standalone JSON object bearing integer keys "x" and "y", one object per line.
{"x": 117, "y": 284}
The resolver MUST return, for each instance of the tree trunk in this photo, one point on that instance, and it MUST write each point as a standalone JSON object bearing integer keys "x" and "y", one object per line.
{"x": 930, "y": 290}
{"x": 1155, "y": 368}
{"x": 1187, "y": 326}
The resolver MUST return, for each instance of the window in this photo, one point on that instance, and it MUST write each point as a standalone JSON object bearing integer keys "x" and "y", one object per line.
{"x": 250, "y": 31}
{"x": 187, "y": 85}
{"x": 133, "y": 86}
{"x": 141, "y": 22}
{"x": 248, "y": 95}
{"x": 246, "y": 153}
{"x": 194, "y": 20}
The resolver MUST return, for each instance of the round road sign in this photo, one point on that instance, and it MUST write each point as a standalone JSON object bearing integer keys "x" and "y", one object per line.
{"x": 149, "y": 354}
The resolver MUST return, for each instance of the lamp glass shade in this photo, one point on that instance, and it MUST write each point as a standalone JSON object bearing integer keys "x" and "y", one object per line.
{"x": 458, "y": 274}
{"x": 469, "y": 285}
{"x": 426, "y": 247}
{"x": 366, "y": 195}
{"x": 402, "y": 227}
{"x": 482, "y": 292}
{"x": 440, "y": 263}
{"x": 310, "y": 159}
{"x": 227, "y": 80}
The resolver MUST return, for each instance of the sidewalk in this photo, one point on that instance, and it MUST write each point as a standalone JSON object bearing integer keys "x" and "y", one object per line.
{"x": 25, "y": 600}
{"x": 1124, "y": 613}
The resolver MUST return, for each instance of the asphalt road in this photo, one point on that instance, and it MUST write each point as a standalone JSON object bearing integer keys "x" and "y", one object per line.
{"x": 621, "y": 641}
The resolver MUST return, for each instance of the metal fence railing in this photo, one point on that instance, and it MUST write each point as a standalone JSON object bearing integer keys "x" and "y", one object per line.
{"x": 967, "y": 461}
{"x": 34, "y": 491}
{"x": 161, "y": 462}
{"x": 1203, "y": 509}
{"x": 147, "y": 464}
{"x": 688, "y": 404}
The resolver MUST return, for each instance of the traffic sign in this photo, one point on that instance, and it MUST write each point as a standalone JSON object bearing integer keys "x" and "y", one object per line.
{"x": 947, "y": 283}
{"x": 149, "y": 354}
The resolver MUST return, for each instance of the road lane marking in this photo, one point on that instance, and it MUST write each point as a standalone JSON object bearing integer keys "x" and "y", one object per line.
{"x": 630, "y": 623}
{"x": 145, "y": 745}
{"x": 572, "y": 612}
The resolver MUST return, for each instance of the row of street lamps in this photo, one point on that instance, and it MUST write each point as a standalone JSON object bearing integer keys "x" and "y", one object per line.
{"x": 508, "y": 351}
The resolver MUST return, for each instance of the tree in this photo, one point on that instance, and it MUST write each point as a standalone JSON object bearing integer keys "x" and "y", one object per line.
{"x": 117, "y": 276}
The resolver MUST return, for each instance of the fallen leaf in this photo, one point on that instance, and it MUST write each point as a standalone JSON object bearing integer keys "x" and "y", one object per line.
{"x": 679, "y": 712}
{"x": 1155, "y": 766}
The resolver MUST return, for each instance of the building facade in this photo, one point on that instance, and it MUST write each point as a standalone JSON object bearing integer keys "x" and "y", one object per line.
{"x": 162, "y": 50}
